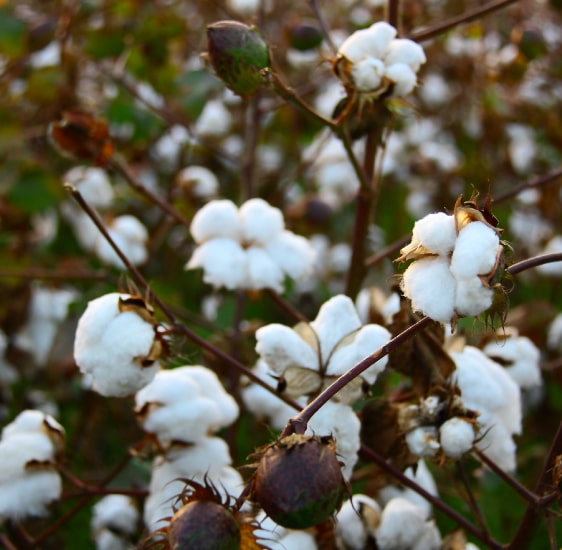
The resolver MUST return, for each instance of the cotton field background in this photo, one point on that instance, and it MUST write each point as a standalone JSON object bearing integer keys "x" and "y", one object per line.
{"x": 281, "y": 275}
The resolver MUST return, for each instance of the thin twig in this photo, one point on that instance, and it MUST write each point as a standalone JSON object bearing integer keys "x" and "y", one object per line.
{"x": 298, "y": 423}
{"x": 467, "y": 17}
{"x": 461, "y": 470}
{"x": 323, "y": 26}
{"x": 535, "y": 261}
{"x": 64, "y": 274}
{"x": 123, "y": 170}
{"x": 533, "y": 184}
{"x": 393, "y": 13}
{"x": 285, "y": 306}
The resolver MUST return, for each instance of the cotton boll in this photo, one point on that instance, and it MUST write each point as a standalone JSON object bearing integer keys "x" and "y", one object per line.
{"x": 341, "y": 422}
{"x": 218, "y": 218}
{"x": 358, "y": 521}
{"x": 404, "y": 79}
{"x": 456, "y": 437}
{"x": 224, "y": 263}
{"x": 430, "y": 286}
{"x": 32, "y": 421}
{"x": 367, "y": 74}
{"x": 472, "y": 297}
{"x": 260, "y": 221}
{"x": 423, "y": 441}
{"x": 109, "y": 344}
{"x": 475, "y": 251}
{"x": 402, "y": 50}
{"x": 336, "y": 319}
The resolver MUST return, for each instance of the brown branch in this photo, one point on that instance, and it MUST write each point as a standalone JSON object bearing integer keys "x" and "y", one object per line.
{"x": 535, "y": 261}
{"x": 534, "y": 183}
{"x": 467, "y": 17}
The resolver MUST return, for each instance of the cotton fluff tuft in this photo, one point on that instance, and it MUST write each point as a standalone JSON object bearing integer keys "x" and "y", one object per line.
{"x": 29, "y": 481}
{"x": 357, "y": 520}
{"x": 184, "y": 404}
{"x": 247, "y": 248}
{"x": 110, "y": 345}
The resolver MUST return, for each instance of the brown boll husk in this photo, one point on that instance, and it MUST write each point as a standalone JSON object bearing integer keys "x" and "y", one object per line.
{"x": 203, "y": 525}
{"x": 298, "y": 481}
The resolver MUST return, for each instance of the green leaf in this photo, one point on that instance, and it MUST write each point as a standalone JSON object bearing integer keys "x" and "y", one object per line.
{"x": 35, "y": 191}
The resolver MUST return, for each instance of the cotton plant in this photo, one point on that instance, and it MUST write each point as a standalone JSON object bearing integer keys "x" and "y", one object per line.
{"x": 457, "y": 257}
{"x": 272, "y": 536}
{"x": 247, "y": 247}
{"x": 374, "y": 62}
{"x": 114, "y": 522}
{"x": 117, "y": 344}
{"x": 30, "y": 447}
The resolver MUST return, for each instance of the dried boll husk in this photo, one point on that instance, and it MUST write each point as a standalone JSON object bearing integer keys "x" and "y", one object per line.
{"x": 298, "y": 481}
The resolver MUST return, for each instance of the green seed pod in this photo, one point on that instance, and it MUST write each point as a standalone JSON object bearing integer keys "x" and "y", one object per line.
{"x": 239, "y": 55}
{"x": 305, "y": 37}
{"x": 298, "y": 481}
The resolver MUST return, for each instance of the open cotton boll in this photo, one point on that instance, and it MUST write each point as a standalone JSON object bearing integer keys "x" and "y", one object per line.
{"x": 403, "y": 50}
{"x": 260, "y": 221}
{"x": 281, "y": 347}
{"x": 431, "y": 287}
{"x": 218, "y": 218}
{"x": 357, "y": 520}
{"x": 336, "y": 319}
{"x": 341, "y": 422}
{"x": 110, "y": 345}
{"x": 456, "y": 437}
{"x": 224, "y": 263}
{"x": 475, "y": 251}
{"x": 25, "y": 490}
{"x": 262, "y": 270}
{"x": 33, "y": 421}
{"x": 404, "y": 79}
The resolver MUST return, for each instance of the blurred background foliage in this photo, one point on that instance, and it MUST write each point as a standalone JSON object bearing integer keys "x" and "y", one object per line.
{"x": 496, "y": 122}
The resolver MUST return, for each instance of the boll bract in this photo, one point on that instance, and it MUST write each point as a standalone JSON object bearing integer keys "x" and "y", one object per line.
{"x": 117, "y": 344}
{"x": 247, "y": 248}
